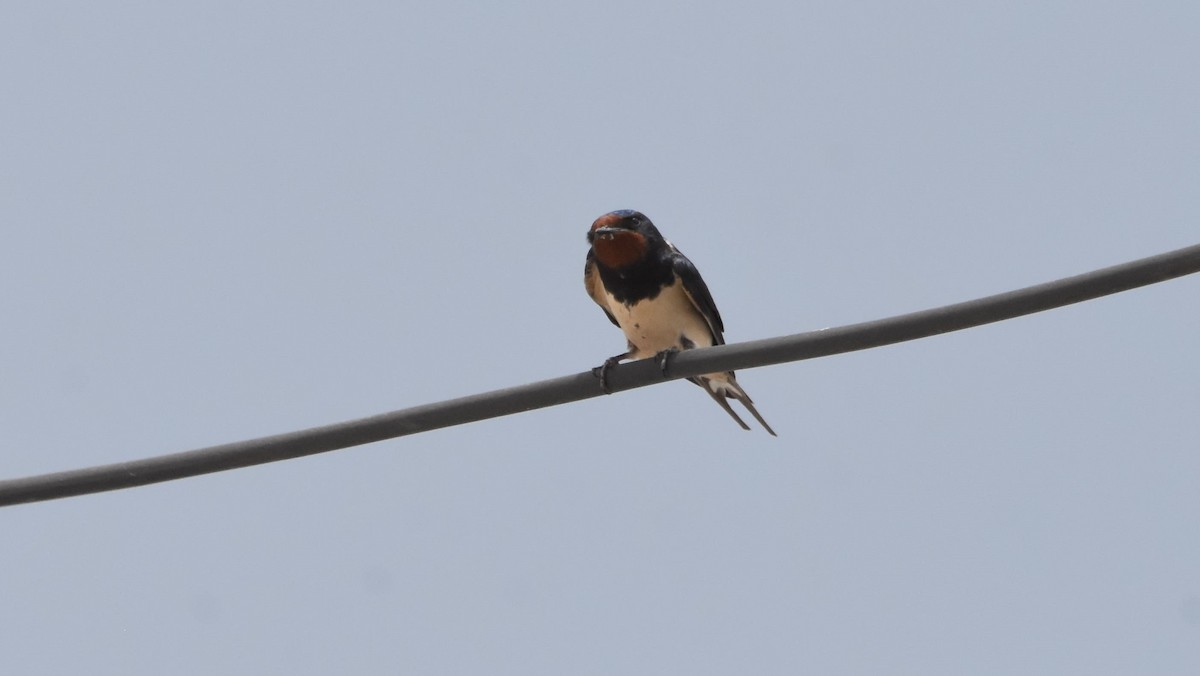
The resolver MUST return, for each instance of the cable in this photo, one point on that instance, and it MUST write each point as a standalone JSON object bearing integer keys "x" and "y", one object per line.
{"x": 585, "y": 385}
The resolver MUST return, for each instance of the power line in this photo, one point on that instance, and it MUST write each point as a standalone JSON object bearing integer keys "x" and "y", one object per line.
{"x": 585, "y": 385}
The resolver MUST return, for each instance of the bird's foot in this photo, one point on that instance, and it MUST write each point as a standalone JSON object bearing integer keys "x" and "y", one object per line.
{"x": 664, "y": 359}
{"x": 601, "y": 371}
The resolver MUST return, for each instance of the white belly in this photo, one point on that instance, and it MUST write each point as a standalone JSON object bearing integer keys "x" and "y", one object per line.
{"x": 669, "y": 320}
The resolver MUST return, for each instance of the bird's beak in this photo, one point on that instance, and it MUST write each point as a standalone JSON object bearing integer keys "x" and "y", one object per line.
{"x": 606, "y": 232}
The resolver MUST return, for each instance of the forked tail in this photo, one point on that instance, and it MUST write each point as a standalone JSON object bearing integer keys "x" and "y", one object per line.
{"x": 722, "y": 389}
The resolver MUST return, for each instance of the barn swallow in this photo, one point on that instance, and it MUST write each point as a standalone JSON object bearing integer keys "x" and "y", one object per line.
{"x": 656, "y": 296}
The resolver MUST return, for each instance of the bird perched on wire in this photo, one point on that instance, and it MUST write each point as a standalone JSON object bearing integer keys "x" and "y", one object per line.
{"x": 656, "y": 296}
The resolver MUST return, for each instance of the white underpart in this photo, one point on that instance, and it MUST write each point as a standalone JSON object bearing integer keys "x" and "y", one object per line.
{"x": 658, "y": 324}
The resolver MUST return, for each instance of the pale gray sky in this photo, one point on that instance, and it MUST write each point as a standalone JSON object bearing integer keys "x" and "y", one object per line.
{"x": 225, "y": 220}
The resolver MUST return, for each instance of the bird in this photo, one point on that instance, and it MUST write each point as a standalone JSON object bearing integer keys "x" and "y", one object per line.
{"x": 656, "y": 296}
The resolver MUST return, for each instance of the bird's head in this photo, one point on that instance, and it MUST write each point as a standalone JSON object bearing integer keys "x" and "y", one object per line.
{"x": 622, "y": 238}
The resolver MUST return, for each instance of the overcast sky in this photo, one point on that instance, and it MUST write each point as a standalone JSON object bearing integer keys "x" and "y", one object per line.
{"x": 223, "y": 220}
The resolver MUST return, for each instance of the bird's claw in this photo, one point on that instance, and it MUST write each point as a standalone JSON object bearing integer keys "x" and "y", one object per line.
{"x": 601, "y": 372}
{"x": 664, "y": 359}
